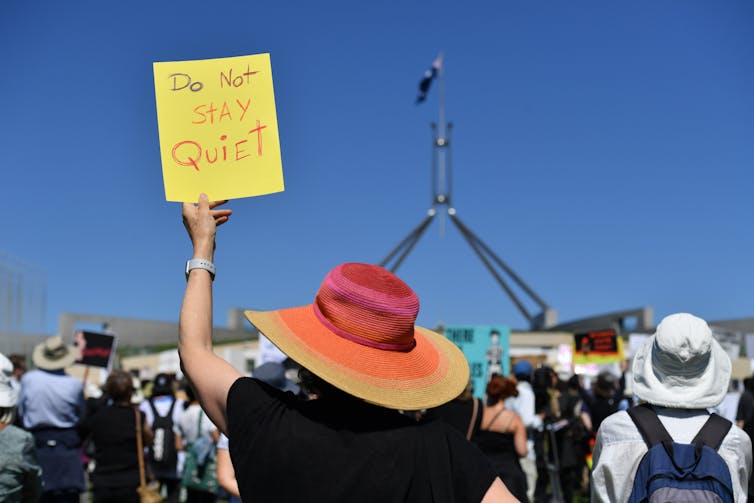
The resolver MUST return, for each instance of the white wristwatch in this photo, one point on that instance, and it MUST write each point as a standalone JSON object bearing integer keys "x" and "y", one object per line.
{"x": 200, "y": 263}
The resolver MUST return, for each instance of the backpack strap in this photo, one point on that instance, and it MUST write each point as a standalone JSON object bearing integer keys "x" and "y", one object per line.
{"x": 170, "y": 411}
{"x": 649, "y": 426}
{"x": 154, "y": 409}
{"x": 713, "y": 432}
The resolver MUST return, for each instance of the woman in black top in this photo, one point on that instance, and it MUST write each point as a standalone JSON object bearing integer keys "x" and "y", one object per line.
{"x": 112, "y": 428}
{"x": 350, "y": 444}
{"x": 502, "y": 436}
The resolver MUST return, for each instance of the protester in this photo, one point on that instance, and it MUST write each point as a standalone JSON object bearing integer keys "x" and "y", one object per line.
{"x": 502, "y": 436}
{"x": 572, "y": 437}
{"x": 112, "y": 428}
{"x": 524, "y": 406}
{"x": 193, "y": 425}
{"x": 51, "y": 403}
{"x": 163, "y": 413}
{"x": 745, "y": 409}
{"x": 604, "y": 399}
{"x": 20, "y": 475}
{"x": 680, "y": 372}
{"x": 19, "y": 369}
{"x": 745, "y": 417}
{"x": 547, "y": 407}
{"x": 359, "y": 339}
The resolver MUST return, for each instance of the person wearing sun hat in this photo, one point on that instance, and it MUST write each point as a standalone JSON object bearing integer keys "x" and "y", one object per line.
{"x": 681, "y": 371}
{"x": 359, "y": 340}
{"x": 51, "y": 402}
{"x": 20, "y": 475}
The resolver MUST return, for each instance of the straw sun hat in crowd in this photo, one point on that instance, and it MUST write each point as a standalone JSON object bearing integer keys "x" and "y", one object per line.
{"x": 681, "y": 365}
{"x": 359, "y": 335}
{"x": 53, "y": 354}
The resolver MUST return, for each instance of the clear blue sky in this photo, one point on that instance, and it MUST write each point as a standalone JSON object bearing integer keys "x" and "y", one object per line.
{"x": 603, "y": 149}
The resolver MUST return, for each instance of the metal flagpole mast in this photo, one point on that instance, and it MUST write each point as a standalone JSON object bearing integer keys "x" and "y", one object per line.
{"x": 441, "y": 196}
{"x": 441, "y": 143}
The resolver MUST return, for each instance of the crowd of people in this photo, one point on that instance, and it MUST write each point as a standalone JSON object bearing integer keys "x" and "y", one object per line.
{"x": 381, "y": 410}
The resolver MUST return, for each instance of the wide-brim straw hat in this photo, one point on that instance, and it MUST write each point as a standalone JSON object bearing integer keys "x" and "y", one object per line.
{"x": 360, "y": 336}
{"x": 681, "y": 365}
{"x": 53, "y": 354}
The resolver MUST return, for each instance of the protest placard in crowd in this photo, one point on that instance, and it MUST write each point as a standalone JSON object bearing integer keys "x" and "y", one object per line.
{"x": 597, "y": 347}
{"x": 487, "y": 349}
{"x": 95, "y": 349}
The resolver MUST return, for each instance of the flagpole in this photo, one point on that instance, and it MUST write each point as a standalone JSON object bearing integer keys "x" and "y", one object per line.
{"x": 441, "y": 101}
{"x": 441, "y": 142}
{"x": 442, "y": 195}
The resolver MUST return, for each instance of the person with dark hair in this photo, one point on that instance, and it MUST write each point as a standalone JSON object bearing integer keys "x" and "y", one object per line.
{"x": 604, "y": 399}
{"x": 502, "y": 436}
{"x": 546, "y": 406}
{"x": 163, "y": 413}
{"x": 745, "y": 412}
{"x": 112, "y": 428}
{"x": 524, "y": 406}
{"x": 19, "y": 369}
{"x": 359, "y": 339}
{"x": 572, "y": 437}
{"x": 745, "y": 418}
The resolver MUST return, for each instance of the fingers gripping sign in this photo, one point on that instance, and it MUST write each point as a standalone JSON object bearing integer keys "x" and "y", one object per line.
{"x": 201, "y": 221}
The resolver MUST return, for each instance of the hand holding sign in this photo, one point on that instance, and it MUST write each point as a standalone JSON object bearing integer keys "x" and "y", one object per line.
{"x": 218, "y": 128}
{"x": 201, "y": 222}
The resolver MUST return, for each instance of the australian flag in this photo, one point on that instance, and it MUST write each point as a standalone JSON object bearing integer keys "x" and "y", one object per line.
{"x": 429, "y": 76}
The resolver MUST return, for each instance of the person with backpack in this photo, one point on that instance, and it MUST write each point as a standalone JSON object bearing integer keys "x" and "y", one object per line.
{"x": 670, "y": 448}
{"x": 163, "y": 413}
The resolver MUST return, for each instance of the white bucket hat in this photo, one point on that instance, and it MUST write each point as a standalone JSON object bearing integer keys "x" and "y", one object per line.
{"x": 681, "y": 365}
{"x": 8, "y": 395}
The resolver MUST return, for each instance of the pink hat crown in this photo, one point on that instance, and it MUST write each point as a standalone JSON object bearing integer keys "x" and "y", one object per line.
{"x": 368, "y": 305}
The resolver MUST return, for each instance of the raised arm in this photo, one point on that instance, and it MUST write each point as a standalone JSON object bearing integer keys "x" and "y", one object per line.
{"x": 210, "y": 375}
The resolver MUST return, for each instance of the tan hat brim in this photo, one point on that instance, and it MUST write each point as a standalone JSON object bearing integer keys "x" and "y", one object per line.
{"x": 44, "y": 363}
{"x": 434, "y": 372}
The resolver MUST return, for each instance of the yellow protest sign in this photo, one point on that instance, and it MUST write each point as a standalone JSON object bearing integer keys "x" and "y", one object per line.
{"x": 218, "y": 128}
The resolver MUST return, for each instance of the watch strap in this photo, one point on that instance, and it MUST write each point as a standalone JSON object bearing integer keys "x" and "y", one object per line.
{"x": 200, "y": 263}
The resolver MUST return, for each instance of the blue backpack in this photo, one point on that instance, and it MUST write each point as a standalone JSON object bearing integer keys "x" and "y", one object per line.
{"x": 675, "y": 472}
